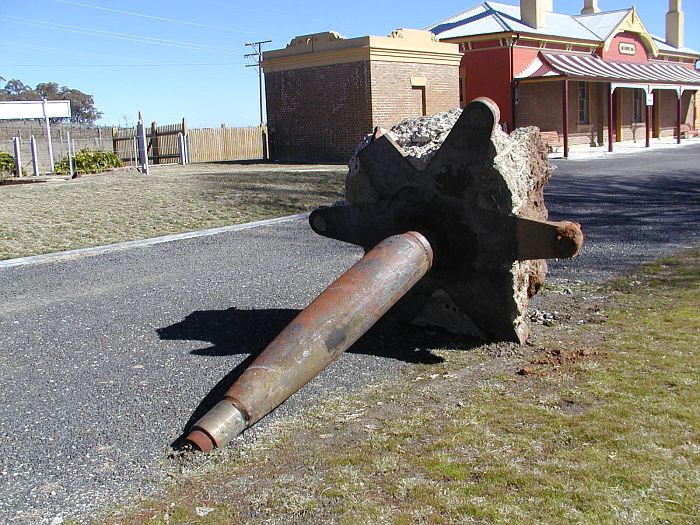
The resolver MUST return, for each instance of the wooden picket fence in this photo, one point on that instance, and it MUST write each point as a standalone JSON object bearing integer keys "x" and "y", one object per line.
{"x": 206, "y": 144}
{"x": 214, "y": 144}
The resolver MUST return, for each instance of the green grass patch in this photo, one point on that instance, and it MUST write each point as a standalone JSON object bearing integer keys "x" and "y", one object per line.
{"x": 609, "y": 437}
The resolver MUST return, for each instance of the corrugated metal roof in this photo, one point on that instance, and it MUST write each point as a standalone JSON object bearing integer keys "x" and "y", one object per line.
{"x": 602, "y": 24}
{"x": 663, "y": 46}
{"x": 495, "y": 17}
{"x": 594, "y": 67}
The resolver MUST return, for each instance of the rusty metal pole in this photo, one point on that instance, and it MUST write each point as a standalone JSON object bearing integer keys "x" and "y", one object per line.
{"x": 317, "y": 336}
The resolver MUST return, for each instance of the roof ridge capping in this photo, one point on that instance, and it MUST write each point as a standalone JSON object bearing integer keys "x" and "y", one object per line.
{"x": 601, "y": 13}
{"x": 456, "y": 15}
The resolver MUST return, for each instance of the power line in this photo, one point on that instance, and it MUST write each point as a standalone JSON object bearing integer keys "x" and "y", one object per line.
{"x": 127, "y": 65}
{"x": 73, "y": 53}
{"x": 114, "y": 35}
{"x": 268, "y": 14}
{"x": 258, "y": 55}
{"x": 152, "y": 17}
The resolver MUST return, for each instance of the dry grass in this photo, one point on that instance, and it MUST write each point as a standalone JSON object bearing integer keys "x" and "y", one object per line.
{"x": 608, "y": 434}
{"x": 123, "y": 206}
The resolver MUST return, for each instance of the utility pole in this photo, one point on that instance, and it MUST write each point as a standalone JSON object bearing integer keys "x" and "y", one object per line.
{"x": 257, "y": 46}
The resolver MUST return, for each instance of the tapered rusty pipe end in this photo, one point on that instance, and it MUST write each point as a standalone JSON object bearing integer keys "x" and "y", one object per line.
{"x": 218, "y": 427}
{"x": 201, "y": 441}
{"x": 317, "y": 336}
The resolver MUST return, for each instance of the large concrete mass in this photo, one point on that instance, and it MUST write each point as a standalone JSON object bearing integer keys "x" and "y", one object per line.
{"x": 507, "y": 178}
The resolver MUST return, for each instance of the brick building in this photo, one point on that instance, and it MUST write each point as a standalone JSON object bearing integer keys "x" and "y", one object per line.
{"x": 324, "y": 93}
{"x": 581, "y": 76}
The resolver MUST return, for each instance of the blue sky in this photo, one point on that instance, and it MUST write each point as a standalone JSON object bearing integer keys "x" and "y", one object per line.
{"x": 173, "y": 59}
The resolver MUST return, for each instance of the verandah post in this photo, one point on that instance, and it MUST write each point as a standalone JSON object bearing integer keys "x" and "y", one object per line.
{"x": 565, "y": 94}
{"x": 678, "y": 116}
{"x": 610, "y": 118}
{"x": 647, "y": 106}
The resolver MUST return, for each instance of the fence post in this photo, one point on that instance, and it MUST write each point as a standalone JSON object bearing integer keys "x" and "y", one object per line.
{"x": 16, "y": 145}
{"x": 142, "y": 146}
{"x": 181, "y": 148}
{"x": 48, "y": 137}
{"x": 70, "y": 156}
{"x": 155, "y": 151}
{"x": 265, "y": 153}
{"x": 114, "y": 141}
{"x": 35, "y": 158}
{"x": 187, "y": 148}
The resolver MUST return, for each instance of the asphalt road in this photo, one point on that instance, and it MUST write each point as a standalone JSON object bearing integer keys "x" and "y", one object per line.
{"x": 104, "y": 360}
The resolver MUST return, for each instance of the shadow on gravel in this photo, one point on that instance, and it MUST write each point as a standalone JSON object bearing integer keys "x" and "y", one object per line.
{"x": 649, "y": 205}
{"x": 235, "y": 332}
{"x": 630, "y": 210}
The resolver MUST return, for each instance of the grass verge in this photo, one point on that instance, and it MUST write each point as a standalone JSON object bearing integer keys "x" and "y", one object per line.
{"x": 596, "y": 421}
{"x": 122, "y": 206}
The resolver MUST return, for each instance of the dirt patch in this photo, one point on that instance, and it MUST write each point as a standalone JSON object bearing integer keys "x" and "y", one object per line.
{"x": 553, "y": 360}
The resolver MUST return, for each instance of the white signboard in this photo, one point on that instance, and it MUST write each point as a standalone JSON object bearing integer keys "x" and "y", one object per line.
{"x": 627, "y": 48}
{"x": 34, "y": 109}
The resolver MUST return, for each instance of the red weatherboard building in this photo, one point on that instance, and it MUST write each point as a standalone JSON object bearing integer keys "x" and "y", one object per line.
{"x": 580, "y": 76}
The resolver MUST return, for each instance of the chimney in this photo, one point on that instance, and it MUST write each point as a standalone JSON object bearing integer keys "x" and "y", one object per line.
{"x": 532, "y": 12}
{"x": 675, "y": 22}
{"x": 590, "y": 7}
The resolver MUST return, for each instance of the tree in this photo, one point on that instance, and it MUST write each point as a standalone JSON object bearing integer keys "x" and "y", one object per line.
{"x": 82, "y": 105}
{"x": 48, "y": 90}
{"x": 17, "y": 90}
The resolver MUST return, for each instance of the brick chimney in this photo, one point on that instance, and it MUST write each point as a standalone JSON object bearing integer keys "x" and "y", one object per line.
{"x": 675, "y": 22}
{"x": 532, "y": 12}
{"x": 590, "y": 7}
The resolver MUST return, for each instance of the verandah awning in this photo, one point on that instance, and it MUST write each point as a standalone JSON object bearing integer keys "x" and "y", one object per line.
{"x": 593, "y": 68}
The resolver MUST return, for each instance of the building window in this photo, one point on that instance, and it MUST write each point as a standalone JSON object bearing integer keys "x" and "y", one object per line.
{"x": 583, "y": 103}
{"x": 638, "y": 103}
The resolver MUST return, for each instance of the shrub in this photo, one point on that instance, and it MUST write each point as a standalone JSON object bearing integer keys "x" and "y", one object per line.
{"x": 7, "y": 165}
{"x": 90, "y": 161}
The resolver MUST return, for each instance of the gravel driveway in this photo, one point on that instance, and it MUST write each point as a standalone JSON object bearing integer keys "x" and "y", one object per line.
{"x": 105, "y": 359}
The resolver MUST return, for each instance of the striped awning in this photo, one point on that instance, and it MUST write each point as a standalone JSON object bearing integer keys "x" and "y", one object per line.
{"x": 591, "y": 67}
